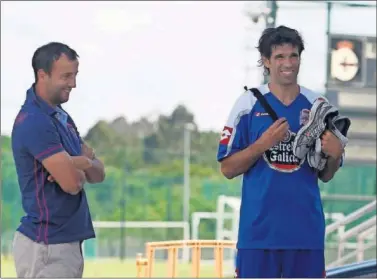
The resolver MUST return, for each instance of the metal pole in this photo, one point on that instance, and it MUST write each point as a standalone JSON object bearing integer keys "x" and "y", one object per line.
{"x": 328, "y": 205}
{"x": 186, "y": 183}
{"x": 123, "y": 219}
{"x": 186, "y": 177}
{"x": 123, "y": 234}
{"x": 328, "y": 33}
{"x": 270, "y": 19}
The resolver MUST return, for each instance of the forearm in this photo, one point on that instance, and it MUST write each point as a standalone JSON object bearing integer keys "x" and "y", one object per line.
{"x": 242, "y": 161}
{"x": 80, "y": 162}
{"x": 82, "y": 179}
{"x": 331, "y": 168}
{"x": 96, "y": 173}
{"x": 94, "y": 169}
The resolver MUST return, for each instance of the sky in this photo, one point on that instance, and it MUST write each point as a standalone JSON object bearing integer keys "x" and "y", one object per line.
{"x": 145, "y": 58}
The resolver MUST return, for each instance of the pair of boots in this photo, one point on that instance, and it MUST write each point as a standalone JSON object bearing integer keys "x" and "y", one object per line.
{"x": 323, "y": 116}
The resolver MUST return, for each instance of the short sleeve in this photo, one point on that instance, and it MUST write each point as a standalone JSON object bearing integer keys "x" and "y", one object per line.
{"x": 40, "y": 136}
{"x": 235, "y": 134}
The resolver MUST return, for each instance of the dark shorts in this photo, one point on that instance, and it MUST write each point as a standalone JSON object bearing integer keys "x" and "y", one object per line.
{"x": 280, "y": 263}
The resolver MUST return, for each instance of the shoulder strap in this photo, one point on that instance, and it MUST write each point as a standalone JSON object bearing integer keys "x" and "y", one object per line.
{"x": 263, "y": 102}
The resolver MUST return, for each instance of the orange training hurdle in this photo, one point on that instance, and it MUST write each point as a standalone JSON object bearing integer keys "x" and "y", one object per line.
{"x": 144, "y": 266}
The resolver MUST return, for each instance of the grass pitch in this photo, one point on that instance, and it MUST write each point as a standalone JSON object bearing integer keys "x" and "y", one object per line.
{"x": 106, "y": 268}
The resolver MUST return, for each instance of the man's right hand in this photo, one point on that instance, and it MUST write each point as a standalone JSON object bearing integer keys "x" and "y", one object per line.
{"x": 241, "y": 161}
{"x": 88, "y": 151}
{"x": 50, "y": 178}
{"x": 274, "y": 134}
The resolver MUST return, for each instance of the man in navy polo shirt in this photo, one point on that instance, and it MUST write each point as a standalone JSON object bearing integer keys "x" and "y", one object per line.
{"x": 53, "y": 164}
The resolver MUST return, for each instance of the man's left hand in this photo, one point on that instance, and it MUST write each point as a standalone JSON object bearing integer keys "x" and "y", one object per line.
{"x": 331, "y": 145}
{"x": 87, "y": 151}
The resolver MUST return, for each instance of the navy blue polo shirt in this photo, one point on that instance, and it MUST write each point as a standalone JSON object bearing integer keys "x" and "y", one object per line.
{"x": 51, "y": 215}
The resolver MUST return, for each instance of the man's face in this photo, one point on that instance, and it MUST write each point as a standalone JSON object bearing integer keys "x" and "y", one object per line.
{"x": 284, "y": 64}
{"x": 61, "y": 80}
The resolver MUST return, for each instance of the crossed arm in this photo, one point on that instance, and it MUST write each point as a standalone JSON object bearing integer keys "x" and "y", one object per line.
{"x": 89, "y": 168}
{"x": 41, "y": 140}
{"x": 93, "y": 168}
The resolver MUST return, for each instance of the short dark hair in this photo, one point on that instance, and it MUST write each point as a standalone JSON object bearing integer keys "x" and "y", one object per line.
{"x": 44, "y": 56}
{"x": 272, "y": 37}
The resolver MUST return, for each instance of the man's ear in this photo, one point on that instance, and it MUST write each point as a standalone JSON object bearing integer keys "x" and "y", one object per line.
{"x": 42, "y": 75}
{"x": 266, "y": 62}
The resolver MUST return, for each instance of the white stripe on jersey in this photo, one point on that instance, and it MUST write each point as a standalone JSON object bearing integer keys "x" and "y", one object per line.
{"x": 243, "y": 105}
{"x": 310, "y": 95}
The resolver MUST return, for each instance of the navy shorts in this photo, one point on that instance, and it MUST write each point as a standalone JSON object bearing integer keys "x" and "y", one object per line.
{"x": 259, "y": 263}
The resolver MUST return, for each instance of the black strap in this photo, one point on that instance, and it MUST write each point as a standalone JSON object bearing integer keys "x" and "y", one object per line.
{"x": 263, "y": 102}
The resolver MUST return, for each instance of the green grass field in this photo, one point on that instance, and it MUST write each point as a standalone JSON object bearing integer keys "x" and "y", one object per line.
{"x": 107, "y": 268}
